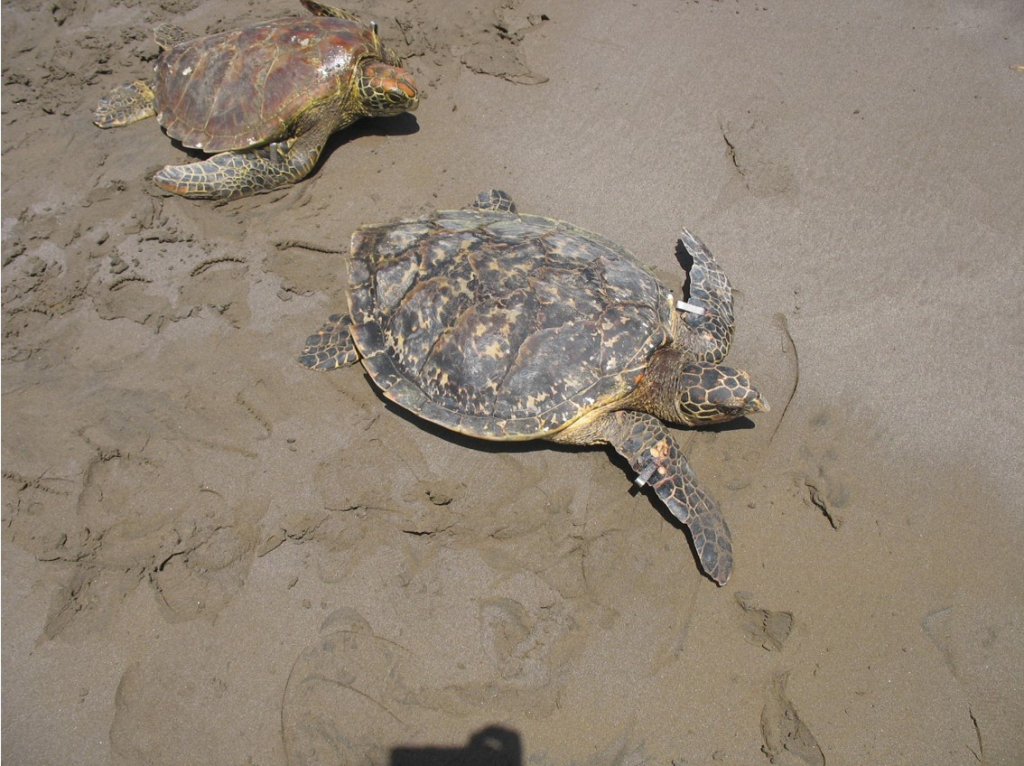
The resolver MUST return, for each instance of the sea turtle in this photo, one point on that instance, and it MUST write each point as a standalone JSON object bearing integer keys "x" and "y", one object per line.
{"x": 512, "y": 327}
{"x": 263, "y": 100}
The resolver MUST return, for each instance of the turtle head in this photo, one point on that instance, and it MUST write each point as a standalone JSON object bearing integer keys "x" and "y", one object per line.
{"x": 712, "y": 393}
{"x": 385, "y": 90}
{"x": 697, "y": 393}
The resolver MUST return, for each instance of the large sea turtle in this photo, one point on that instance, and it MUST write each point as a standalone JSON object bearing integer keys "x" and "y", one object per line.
{"x": 513, "y": 327}
{"x": 263, "y": 100}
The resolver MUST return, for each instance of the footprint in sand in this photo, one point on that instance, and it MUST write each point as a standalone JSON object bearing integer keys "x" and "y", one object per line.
{"x": 785, "y": 735}
{"x": 767, "y": 628}
{"x": 341, "y": 700}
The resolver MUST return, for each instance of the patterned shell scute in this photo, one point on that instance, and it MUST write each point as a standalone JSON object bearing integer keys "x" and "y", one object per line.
{"x": 246, "y": 87}
{"x": 498, "y": 325}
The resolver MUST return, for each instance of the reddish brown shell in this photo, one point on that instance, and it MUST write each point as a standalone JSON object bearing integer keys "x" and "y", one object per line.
{"x": 246, "y": 87}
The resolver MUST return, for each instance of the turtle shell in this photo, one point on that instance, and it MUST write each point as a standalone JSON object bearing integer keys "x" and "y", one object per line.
{"x": 502, "y": 326}
{"x": 246, "y": 87}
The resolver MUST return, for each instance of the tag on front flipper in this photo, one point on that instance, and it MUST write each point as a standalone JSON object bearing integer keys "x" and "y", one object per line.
{"x": 684, "y": 306}
{"x": 645, "y": 475}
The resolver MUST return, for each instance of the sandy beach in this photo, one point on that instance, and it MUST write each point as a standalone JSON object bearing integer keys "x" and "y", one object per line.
{"x": 212, "y": 555}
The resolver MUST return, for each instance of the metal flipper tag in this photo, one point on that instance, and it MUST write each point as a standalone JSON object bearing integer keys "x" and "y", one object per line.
{"x": 646, "y": 474}
{"x": 684, "y": 306}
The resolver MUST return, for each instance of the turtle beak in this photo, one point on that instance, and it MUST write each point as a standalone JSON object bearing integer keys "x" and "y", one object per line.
{"x": 408, "y": 87}
{"x": 757, "y": 404}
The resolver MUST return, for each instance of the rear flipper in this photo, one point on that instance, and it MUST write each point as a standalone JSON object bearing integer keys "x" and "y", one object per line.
{"x": 645, "y": 442}
{"x": 169, "y": 35}
{"x": 494, "y": 199}
{"x": 331, "y": 347}
{"x": 124, "y": 105}
{"x": 134, "y": 101}
{"x": 230, "y": 175}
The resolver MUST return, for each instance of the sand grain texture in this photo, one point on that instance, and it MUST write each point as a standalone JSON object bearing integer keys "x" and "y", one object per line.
{"x": 212, "y": 555}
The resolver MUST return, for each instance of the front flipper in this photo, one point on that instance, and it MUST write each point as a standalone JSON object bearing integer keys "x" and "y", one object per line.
{"x": 331, "y": 347}
{"x": 645, "y": 442}
{"x": 709, "y": 335}
{"x": 230, "y": 175}
{"x": 169, "y": 35}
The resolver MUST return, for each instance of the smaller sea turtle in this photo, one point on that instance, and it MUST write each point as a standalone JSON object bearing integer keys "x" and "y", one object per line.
{"x": 513, "y": 327}
{"x": 263, "y": 100}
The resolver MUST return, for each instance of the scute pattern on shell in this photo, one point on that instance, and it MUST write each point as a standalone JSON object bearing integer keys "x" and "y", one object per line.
{"x": 498, "y": 325}
{"x": 245, "y": 87}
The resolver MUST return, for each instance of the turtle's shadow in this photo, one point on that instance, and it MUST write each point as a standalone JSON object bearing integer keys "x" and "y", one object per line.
{"x": 685, "y": 260}
{"x": 529, "y": 445}
{"x": 404, "y": 124}
{"x": 463, "y": 440}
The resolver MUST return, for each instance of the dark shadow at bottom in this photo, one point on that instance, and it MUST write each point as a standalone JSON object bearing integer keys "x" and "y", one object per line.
{"x": 491, "y": 746}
